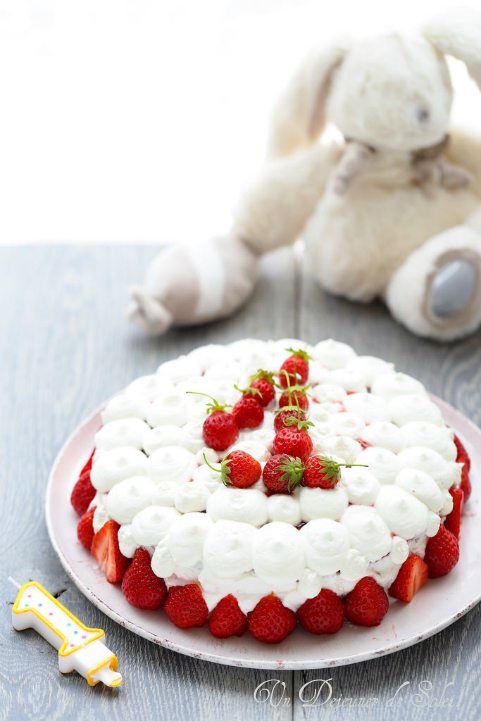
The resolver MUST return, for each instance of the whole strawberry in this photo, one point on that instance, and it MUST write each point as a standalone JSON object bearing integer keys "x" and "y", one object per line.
{"x": 140, "y": 586}
{"x": 270, "y": 621}
{"x": 185, "y": 606}
{"x": 295, "y": 369}
{"x": 293, "y": 442}
{"x": 323, "y": 614}
{"x": 453, "y": 521}
{"x": 262, "y": 387}
{"x": 367, "y": 603}
{"x": 238, "y": 469}
{"x": 105, "y": 548}
{"x": 324, "y": 472}
{"x": 289, "y": 416}
{"x": 442, "y": 553}
{"x": 220, "y": 429}
{"x": 227, "y": 619}
{"x": 412, "y": 575}
{"x": 248, "y": 413}
{"x": 295, "y": 396}
{"x": 282, "y": 474}
{"x": 85, "y": 529}
{"x": 83, "y": 493}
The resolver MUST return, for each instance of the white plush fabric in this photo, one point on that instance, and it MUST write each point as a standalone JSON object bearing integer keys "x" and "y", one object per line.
{"x": 373, "y": 209}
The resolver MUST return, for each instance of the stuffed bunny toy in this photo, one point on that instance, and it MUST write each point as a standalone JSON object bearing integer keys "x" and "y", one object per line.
{"x": 393, "y": 210}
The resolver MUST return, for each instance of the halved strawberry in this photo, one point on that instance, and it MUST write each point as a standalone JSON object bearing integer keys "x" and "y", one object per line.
{"x": 105, "y": 548}
{"x": 83, "y": 494}
{"x": 88, "y": 466}
{"x": 453, "y": 520}
{"x": 85, "y": 529}
{"x": 412, "y": 575}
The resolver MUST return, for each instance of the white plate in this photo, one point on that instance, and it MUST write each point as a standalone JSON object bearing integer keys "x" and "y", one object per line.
{"x": 437, "y": 605}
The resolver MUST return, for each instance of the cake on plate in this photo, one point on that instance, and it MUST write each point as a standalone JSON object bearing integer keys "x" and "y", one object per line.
{"x": 261, "y": 484}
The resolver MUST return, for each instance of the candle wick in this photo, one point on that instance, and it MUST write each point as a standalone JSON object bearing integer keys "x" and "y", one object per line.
{"x": 17, "y": 585}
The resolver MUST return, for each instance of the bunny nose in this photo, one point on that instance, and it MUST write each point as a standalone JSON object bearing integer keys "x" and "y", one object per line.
{"x": 423, "y": 115}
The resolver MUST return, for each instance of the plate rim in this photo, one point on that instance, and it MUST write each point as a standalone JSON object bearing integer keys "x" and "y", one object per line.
{"x": 295, "y": 665}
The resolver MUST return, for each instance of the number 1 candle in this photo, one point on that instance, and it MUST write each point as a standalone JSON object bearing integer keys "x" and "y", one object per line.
{"x": 79, "y": 648}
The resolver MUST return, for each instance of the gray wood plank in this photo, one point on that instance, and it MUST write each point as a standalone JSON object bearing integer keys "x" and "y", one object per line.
{"x": 452, "y": 371}
{"x": 65, "y": 347}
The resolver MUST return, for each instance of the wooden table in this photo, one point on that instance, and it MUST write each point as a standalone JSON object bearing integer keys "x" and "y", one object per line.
{"x": 65, "y": 347}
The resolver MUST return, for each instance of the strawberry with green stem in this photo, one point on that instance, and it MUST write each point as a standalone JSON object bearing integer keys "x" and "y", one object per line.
{"x": 220, "y": 429}
{"x": 296, "y": 368}
{"x": 291, "y": 416}
{"x": 324, "y": 472}
{"x": 294, "y": 394}
{"x": 262, "y": 387}
{"x": 238, "y": 469}
{"x": 282, "y": 473}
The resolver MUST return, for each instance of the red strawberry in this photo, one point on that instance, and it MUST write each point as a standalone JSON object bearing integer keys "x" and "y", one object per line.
{"x": 248, "y": 413}
{"x": 261, "y": 388}
{"x": 453, "y": 521}
{"x": 293, "y": 442}
{"x": 185, "y": 606}
{"x": 442, "y": 553}
{"x": 412, "y": 575}
{"x": 322, "y": 614}
{"x": 270, "y": 621}
{"x": 295, "y": 369}
{"x": 227, "y": 619}
{"x": 83, "y": 494}
{"x": 463, "y": 456}
{"x": 465, "y": 484}
{"x": 140, "y": 586}
{"x": 323, "y": 472}
{"x": 238, "y": 469}
{"x": 85, "y": 529}
{"x": 105, "y": 548}
{"x": 88, "y": 466}
{"x": 282, "y": 474}
{"x": 290, "y": 413}
{"x": 367, "y": 603}
{"x": 295, "y": 397}
{"x": 220, "y": 429}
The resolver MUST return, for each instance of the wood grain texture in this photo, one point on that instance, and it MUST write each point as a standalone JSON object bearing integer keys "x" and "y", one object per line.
{"x": 65, "y": 347}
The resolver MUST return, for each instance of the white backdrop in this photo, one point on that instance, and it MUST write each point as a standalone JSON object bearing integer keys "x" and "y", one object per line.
{"x": 141, "y": 120}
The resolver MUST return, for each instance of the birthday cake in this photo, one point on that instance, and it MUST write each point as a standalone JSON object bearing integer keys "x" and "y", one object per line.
{"x": 252, "y": 486}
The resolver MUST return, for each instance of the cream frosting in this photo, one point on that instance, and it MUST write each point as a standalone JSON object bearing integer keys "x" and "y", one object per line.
{"x": 368, "y": 407}
{"x": 407, "y": 408}
{"x": 125, "y": 405}
{"x": 248, "y": 505}
{"x": 125, "y": 432}
{"x": 171, "y": 463}
{"x": 391, "y": 385}
{"x": 322, "y": 503}
{"x": 404, "y": 514}
{"x": 384, "y": 435}
{"x": 129, "y": 497}
{"x": 111, "y": 467}
{"x": 368, "y": 533}
{"x": 246, "y": 542}
{"x": 332, "y": 354}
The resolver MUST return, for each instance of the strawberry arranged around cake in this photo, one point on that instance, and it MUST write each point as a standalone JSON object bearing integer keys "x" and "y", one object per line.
{"x": 256, "y": 485}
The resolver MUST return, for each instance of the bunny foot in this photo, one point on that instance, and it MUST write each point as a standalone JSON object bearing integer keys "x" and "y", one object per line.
{"x": 436, "y": 293}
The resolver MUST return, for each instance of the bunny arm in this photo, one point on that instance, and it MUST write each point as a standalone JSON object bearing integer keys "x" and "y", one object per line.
{"x": 274, "y": 211}
{"x": 465, "y": 150}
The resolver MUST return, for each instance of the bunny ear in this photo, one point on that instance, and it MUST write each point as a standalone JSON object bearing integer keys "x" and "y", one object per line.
{"x": 300, "y": 113}
{"x": 458, "y": 33}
